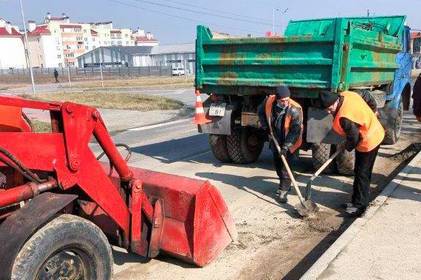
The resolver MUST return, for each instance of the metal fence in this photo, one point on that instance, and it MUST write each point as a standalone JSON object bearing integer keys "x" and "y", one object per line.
{"x": 87, "y": 73}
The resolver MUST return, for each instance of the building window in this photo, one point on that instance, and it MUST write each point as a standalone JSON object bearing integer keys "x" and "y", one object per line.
{"x": 59, "y": 56}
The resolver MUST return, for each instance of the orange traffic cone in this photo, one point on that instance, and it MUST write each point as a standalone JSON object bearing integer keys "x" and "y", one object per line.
{"x": 199, "y": 116}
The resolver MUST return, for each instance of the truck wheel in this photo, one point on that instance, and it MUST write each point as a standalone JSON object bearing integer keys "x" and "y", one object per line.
{"x": 218, "y": 144}
{"x": 244, "y": 145}
{"x": 345, "y": 163}
{"x": 68, "y": 247}
{"x": 393, "y": 131}
{"x": 320, "y": 154}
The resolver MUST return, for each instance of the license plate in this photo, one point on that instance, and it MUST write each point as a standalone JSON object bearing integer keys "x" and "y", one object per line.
{"x": 217, "y": 110}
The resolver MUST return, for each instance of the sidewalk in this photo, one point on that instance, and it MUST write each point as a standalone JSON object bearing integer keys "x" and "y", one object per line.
{"x": 386, "y": 242}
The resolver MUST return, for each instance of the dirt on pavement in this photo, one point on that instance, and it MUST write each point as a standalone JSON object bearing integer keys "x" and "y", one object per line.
{"x": 273, "y": 241}
{"x": 289, "y": 259}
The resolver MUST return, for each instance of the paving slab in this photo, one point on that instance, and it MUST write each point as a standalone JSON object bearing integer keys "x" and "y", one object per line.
{"x": 386, "y": 242}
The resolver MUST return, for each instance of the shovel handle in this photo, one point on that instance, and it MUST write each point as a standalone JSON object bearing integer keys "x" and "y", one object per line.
{"x": 325, "y": 164}
{"x": 291, "y": 176}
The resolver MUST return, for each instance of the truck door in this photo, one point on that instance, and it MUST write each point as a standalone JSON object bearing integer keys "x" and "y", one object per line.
{"x": 403, "y": 73}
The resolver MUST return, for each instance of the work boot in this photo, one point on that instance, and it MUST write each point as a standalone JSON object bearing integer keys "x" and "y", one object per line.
{"x": 282, "y": 193}
{"x": 283, "y": 196}
{"x": 346, "y": 205}
{"x": 354, "y": 211}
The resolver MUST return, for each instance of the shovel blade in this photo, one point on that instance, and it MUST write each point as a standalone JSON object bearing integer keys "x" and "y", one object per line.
{"x": 307, "y": 208}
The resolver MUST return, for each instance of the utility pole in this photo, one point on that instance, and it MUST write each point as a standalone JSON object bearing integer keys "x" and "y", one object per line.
{"x": 102, "y": 76}
{"x": 68, "y": 75}
{"x": 273, "y": 17}
{"x": 27, "y": 52}
{"x": 368, "y": 12}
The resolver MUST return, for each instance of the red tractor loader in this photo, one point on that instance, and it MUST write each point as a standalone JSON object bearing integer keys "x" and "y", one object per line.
{"x": 61, "y": 208}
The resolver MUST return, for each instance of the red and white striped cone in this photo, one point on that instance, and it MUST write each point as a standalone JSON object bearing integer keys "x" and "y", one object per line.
{"x": 199, "y": 116}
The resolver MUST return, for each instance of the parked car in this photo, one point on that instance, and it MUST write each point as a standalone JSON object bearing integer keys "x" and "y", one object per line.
{"x": 178, "y": 71}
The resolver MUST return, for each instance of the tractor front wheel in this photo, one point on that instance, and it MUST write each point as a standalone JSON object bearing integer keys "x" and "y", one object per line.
{"x": 68, "y": 247}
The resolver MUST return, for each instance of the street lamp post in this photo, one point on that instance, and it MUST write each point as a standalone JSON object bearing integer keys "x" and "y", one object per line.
{"x": 273, "y": 16}
{"x": 273, "y": 19}
{"x": 27, "y": 52}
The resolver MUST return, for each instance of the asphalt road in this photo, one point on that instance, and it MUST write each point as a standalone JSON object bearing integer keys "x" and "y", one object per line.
{"x": 266, "y": 228}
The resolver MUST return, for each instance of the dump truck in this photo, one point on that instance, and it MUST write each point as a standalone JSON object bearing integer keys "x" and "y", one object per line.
{"x": 61, "y": 208}
{"x": 360, "y": 54}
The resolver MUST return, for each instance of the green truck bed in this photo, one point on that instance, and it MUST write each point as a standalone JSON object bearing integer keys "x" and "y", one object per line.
{"x": 336, "y": 54}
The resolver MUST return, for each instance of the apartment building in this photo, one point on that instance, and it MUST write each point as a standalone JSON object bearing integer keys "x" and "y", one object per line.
{"x": 68, "y": 40}
{"x": 145, "y": 39}
{"x": 12, "y": 51}
{"x": 45, "y": 48}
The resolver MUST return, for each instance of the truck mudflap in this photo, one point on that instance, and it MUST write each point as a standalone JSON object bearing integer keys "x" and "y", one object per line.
{"x": 219, "y": 125}
{"x": 319, "y": 127}
{"x": 196, "y": 223}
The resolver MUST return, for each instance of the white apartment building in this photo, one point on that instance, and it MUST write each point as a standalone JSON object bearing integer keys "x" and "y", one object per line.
{"x": 67, "y": 40}
{"x": 45, "y": 48}
{"x": 142, "y": 38}
{"x": 12, "y": 51}
{"x": 103, "y": 32}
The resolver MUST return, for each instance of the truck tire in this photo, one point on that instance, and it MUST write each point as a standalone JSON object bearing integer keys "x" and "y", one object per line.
{"x": 68, "y": 247}
{"x": 218, "y": 144}
{"x": 320, "y": 153}
{"x": 244, "y": 145}
{"x": 393, "y": 131}
{"x": 345, "y": 163}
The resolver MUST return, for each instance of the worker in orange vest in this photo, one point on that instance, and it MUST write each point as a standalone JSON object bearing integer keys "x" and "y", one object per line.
{"x": 355, "y": 120}
{"x": 283, "y": 116}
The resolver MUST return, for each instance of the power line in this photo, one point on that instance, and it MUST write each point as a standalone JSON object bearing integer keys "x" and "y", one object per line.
{"x": 180, "y": 17}
{"x": 203, "y": 12}
{"x": 216, "y": 10}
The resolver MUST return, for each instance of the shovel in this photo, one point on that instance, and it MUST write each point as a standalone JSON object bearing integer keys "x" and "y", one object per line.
{"x": 306, "y": 207}
{"x": 320, "y": 170}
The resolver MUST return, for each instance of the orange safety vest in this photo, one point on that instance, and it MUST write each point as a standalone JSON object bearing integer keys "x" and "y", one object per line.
{"x": 268, "y": 111}
{"x": 356, "y": 109}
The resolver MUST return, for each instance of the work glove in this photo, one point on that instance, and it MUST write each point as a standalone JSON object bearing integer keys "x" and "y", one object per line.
{"x": 341, "y": 147}
{"x": 284, "y": 151}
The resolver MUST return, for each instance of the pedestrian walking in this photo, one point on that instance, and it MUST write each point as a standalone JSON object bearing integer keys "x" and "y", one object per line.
{"x": 56, "y": 75}
{"x": 355, "y": 120}
{"x": 285, "y": 117}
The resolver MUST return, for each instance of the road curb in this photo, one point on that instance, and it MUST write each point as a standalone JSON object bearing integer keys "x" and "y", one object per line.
{"x": 339, "y": 245}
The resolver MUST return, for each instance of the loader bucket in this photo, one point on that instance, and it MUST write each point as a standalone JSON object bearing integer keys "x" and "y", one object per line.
{"x": 11, "y": 119}
{"x": 197, "y": 225}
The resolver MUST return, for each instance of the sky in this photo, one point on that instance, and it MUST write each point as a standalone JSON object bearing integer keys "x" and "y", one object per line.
{"x": 175, "y": 21}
